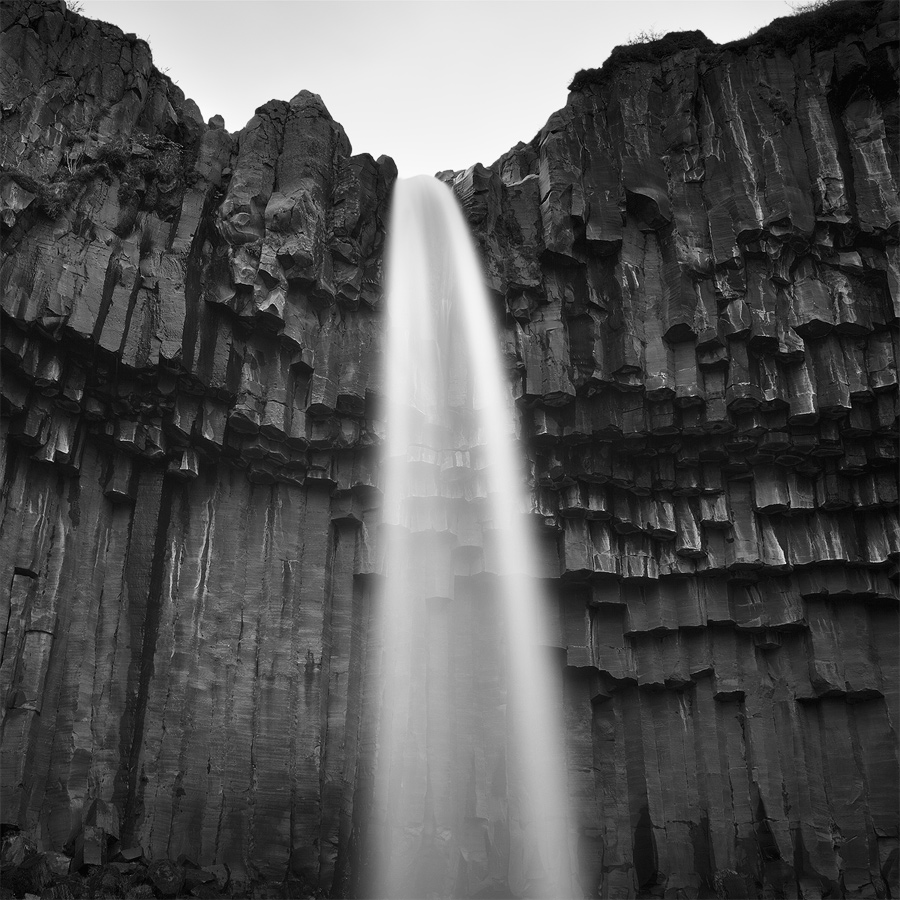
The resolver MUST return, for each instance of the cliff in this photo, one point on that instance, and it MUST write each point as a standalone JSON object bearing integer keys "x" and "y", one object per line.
{"x": 697, "y": 279}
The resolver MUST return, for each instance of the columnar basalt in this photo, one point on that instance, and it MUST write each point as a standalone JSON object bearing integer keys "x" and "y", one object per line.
{"x": 697, "y": 279}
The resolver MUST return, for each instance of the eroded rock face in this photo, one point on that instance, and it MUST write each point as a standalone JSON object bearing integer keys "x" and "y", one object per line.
{"x": 697, "y": 264}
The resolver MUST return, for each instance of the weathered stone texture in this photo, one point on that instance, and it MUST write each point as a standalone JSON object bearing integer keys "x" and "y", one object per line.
{"x": 699, "y": 268}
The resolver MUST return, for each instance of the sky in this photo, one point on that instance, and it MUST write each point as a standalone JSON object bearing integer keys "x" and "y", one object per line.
{"x": 435, "y": 84}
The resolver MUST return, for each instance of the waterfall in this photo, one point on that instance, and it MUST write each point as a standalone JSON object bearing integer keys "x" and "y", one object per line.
{"x": 459, "y": 811}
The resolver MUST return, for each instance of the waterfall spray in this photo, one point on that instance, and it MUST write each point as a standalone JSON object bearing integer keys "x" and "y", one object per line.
{"x": 450, "y": 441}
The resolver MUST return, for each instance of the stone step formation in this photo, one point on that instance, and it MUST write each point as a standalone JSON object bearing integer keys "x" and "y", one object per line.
{"x": 697, "y": 282}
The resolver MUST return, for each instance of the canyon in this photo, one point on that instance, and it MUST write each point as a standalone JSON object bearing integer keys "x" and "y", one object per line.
{"x": 696, "y": 280}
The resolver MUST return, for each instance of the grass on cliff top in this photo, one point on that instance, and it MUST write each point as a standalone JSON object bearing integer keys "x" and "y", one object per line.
{"x": 649, "y": 51}
{"x": 824, "y": 25}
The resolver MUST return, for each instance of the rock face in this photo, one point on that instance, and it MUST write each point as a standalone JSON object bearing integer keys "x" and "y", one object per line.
{"x": 696, "y": 265}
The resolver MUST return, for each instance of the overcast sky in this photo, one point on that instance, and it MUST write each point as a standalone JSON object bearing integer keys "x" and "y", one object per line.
{"x": 436, "y": 84}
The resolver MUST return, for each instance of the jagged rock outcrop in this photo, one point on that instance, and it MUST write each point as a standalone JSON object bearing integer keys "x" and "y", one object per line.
{"x": 697, "y": 274}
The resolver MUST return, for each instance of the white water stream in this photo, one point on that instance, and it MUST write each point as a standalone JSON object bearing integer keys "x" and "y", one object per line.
{"x": 450, "y": 439}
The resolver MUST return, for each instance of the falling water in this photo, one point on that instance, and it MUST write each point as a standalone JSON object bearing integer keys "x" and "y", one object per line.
{"x": 450, "y": 441}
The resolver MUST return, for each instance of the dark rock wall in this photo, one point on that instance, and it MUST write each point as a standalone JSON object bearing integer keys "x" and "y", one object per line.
{"x": 699, "y": 261}
{"x": 189, "y": 339}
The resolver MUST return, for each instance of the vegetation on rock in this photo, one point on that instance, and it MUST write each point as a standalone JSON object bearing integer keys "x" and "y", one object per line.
{"x": 651, "y": 51}
{"x": 822, "y": 24}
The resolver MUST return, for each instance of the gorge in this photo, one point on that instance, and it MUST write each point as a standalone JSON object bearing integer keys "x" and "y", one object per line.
{"x": 695, "y": 283}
